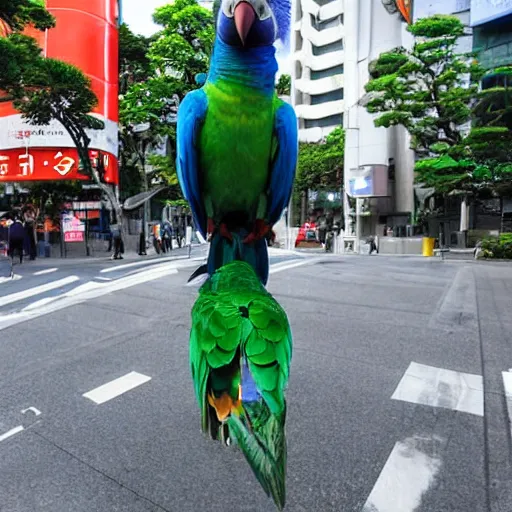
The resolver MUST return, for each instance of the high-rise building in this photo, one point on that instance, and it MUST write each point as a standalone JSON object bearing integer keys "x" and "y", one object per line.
{"x": 317, "y": 67}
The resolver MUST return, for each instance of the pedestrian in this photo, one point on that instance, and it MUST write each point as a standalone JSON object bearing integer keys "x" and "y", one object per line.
{"x": 117, "y": 242}
{"x": 16, "y": 238}
{"x": 373, "y": 245}
{"x": 30, "y": 217}
{"x": 166, "y": 229}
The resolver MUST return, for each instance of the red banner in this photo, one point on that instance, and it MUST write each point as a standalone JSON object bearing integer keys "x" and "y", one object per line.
{"x": 43, "y": 164}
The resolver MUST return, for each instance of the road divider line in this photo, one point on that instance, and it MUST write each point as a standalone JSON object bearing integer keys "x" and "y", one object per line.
{"x": 117, "y": 387}
{"x": 438, "y": 387}
{"x": 11, "y": 433}
{"x": 37, "y": 290}
{"x": 409, "y": 472}
{"x": 47, "y": 271}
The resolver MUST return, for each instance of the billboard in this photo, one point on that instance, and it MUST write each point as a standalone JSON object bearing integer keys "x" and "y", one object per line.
{"x": 483, "y": 11}
{"x": 85, "y": 35}
{"x": 368, "y": 181}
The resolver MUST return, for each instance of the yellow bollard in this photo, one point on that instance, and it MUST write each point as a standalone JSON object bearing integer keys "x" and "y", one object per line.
{"x": 428, "y": 246}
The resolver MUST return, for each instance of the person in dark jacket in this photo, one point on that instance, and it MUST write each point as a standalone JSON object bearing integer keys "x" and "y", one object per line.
{"x": 16, "y": 239}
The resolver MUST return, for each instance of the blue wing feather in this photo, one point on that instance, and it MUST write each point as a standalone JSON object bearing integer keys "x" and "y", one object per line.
{"x": 285, "y": 162}
{"x": 191, "y": 115}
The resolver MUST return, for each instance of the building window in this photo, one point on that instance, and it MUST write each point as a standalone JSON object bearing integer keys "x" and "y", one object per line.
{"x": 318, "y": 99}
{"x": 336, "y": 120}
{"x": 324, "y": 73}
{"x": 328, "y": 48}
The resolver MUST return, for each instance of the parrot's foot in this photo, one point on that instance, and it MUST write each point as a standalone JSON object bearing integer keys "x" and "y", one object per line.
{"x": 222, "y": 229}
{"x": 259, "y": 231}
{"x": 225, "y": 233}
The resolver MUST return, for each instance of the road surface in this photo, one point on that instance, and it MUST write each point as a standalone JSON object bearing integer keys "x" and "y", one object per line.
{"x": 387, "y": 406}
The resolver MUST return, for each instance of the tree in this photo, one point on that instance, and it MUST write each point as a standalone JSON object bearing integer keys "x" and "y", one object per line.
{"x": 20, "y": 13}
{"x": 174, "y": 58}
{"x": 43, "y": 89}
{"x": 320, "y": 166}
{"x": 430, "y": 90}
{"x": 283, "y": 86}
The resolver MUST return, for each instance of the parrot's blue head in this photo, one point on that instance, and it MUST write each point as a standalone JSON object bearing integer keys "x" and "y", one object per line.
{"x": 247, "y": 23}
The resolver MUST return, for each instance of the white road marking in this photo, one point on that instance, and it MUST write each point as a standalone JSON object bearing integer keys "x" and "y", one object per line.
{"x": 47, "y": 271}
{"x": 11, "y": 433}
{"x": 15, "y": 277}
{"x": 147, "y": 263}
{"x": 103, "y": 278}
{"x": 286, "y": 265}
{"x": 37, "y": 412}
{"x": 116, "y": 387}
{"x": 408, "y": 473}
{"x": 37, "y": 290}
{"x": 507, "y": 383}
{"x": 438, "y": 387}
{"x": 91, "y": 291}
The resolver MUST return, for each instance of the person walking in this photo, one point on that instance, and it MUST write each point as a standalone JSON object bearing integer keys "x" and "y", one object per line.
{"x": 16, "y": 239}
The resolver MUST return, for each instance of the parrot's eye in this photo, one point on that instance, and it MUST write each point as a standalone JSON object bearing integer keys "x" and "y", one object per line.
{"x": 229, "y": 8}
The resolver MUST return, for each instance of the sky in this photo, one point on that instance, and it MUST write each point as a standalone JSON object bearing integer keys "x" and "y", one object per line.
{"x": 137, "y": 14}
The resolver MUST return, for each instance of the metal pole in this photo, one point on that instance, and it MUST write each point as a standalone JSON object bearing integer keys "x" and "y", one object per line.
{"x": 359, "y": 227}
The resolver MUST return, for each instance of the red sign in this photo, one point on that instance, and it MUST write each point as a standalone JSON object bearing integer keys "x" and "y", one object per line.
{"x": 43, "y": 164}
{"x": 73, "y": 228}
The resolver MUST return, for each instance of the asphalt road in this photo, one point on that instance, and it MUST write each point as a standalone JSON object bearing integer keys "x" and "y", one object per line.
{"x": 387, "y": 411}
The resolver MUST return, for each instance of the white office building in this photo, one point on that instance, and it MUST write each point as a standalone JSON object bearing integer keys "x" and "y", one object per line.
{"x": 317, "y": 67}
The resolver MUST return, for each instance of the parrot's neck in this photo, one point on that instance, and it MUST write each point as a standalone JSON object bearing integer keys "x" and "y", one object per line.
{"x": 251, "y": 67}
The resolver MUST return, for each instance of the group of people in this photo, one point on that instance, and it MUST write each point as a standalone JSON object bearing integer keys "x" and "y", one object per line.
{"x": 18, "y": 230}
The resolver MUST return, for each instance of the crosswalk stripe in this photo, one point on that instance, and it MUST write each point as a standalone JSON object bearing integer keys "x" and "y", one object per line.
{"x": 408, "y": 473}
{"x": 507, "y": 383}
{"x": 443, "y": 388}
{"x": 116, "y": 387}
{"x": 46, "y": 271}
{"x": 37, "y": 290}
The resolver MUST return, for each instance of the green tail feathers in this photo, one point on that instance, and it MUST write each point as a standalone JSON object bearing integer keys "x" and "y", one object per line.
{"x": 261, "y": 437}
{"x": 240, "y": 353}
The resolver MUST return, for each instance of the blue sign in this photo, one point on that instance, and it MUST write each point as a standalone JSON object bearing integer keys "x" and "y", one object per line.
{"x": 361, "y": 187}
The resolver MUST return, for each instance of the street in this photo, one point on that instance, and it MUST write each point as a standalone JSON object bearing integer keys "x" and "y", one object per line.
{"x": 396, "y": 400}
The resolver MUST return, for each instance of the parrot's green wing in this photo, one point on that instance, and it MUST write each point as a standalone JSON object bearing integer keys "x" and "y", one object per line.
{"x": 214, "y": 343}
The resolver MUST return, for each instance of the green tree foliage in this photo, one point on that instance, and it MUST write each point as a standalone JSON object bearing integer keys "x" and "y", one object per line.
{"x": 430, "y": 89}
{"x": 134, "y": 65}
{"x": 283, "y": 86}
{"x": 20, "y": 13}
{"x": 173, "y": 58}
{"x": 320, "y": 166}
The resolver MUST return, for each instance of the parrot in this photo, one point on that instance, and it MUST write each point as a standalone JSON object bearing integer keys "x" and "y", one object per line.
{"x": 236, "y": 141}
{"x": 240, "y": 353}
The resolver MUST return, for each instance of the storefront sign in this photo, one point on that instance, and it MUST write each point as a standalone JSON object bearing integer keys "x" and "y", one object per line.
{"x": 43, "y": 164}
{"x": 73, "y": 228}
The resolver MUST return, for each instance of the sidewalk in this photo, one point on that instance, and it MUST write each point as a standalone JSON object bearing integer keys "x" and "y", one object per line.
{"x": 128, "y": 257}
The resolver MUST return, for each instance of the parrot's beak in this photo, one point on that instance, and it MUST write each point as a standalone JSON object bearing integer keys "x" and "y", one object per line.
{"x": 244, "y": 18}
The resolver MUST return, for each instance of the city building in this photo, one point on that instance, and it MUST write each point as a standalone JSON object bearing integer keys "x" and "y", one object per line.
{"x": 317, "y": 66}
{"x": 378, "y": 167}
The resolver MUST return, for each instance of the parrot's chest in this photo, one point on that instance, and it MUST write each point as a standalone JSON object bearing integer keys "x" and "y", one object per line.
{"x": 235, "y": 150}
